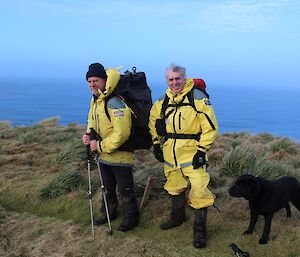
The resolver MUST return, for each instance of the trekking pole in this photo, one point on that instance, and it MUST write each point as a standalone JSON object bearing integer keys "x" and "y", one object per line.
{"x": 104, "y": 196}
{"x": 238, "y": 252}
{"x": 90, "y": 186}
{"x": 95, "y": 136}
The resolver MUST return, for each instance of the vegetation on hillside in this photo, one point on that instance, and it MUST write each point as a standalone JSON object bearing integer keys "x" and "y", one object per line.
{"x": 44, "y": 202}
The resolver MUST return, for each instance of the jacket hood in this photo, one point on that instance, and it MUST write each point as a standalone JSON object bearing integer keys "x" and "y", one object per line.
{"x": 177, "y": 97}
{"x": 113, "y": 77}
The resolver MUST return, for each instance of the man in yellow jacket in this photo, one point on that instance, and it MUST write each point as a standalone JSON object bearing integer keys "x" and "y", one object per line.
{"x": 184, "y": 123}
{"x": 110, "y": 118}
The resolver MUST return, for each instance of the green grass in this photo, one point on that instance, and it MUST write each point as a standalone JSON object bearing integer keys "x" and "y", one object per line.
{"x": 62, "y": 183}
{"x": 45, "y": 204}
{"x": 283, "y": 144}
{"x": 238, "y": 161}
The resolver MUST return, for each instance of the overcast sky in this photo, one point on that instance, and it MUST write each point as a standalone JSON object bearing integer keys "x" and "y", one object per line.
{"x": 239, "y": 43}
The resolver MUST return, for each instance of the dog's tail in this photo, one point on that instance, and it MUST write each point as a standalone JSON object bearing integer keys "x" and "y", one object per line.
{"x": 295, "y": 199}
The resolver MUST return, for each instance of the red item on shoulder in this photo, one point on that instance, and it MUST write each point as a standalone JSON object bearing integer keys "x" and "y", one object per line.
{"x": 200, "y": 83}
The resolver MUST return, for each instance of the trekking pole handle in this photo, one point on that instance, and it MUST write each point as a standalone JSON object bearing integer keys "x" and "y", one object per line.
{"x": 94, "y": 136}
{"x": 88, "y": 152}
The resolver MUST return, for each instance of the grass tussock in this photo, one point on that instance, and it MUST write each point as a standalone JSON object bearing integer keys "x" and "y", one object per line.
{"x": 239, "y": 160}
{"x": 269, "y": 158}
{"x": 283, "y": 145}
{"x": 64, "y": 182}
{"x": 46, "y": 164}
{"x": 70, "y": 152}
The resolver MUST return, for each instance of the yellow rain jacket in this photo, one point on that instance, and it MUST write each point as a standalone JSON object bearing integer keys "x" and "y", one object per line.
{"x": 178, "y": 153}
{"x": 113, "y": 132}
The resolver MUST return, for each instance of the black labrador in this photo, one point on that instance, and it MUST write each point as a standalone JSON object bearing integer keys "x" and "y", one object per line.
{"x": 265, "y": 198}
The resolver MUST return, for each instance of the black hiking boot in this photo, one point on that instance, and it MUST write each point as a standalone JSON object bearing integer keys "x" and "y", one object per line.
{"x": 130, "y": 217}
{"x": 103, "y": 218}
{"x": 129, "y": 223}
{"x": 112, "y": 204}
{"x": 199, "y": 228}
{"x": 177, "y": 212}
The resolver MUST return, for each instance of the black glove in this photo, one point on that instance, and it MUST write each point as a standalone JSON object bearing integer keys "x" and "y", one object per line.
{"x": 198, "y": 160}
{"x": 158, "y": 153}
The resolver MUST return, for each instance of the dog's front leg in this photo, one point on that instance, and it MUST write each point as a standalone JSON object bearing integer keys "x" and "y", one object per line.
{"x": 254, "y": 217}
{"x": 266, "y": 231}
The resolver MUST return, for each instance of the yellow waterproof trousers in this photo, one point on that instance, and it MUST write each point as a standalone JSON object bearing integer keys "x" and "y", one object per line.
{"x": 178, "y": 180}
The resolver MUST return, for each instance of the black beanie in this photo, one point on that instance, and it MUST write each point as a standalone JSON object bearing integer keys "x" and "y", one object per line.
{"x": 96, "y": 70}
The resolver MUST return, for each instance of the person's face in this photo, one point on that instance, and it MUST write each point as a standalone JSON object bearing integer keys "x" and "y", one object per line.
{"x": 96, "y": 83}
{"x": 175, "y": 81}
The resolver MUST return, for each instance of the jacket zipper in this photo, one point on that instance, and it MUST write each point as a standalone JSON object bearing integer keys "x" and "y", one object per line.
{"x": 174, "y": 154}
{"x": 179, "y": 121}
{"x": 96, "y": 118}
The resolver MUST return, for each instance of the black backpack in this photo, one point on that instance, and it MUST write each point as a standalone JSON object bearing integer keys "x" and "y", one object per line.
{"x": 134, "y": 91}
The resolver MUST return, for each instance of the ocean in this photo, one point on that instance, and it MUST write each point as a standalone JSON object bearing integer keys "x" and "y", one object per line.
{"x": 238, "y": 109}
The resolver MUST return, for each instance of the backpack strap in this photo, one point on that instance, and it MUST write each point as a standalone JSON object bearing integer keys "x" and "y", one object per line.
{"x": 106, "y": 109}
{"x": 200, "y": 94}
{"x": 164, "y": 106}
{"x": 190, "y": 97}
{"x": 196, "y": 92}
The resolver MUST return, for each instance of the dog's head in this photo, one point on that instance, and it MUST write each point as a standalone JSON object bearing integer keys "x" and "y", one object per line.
{"x": 246, "y": 186}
